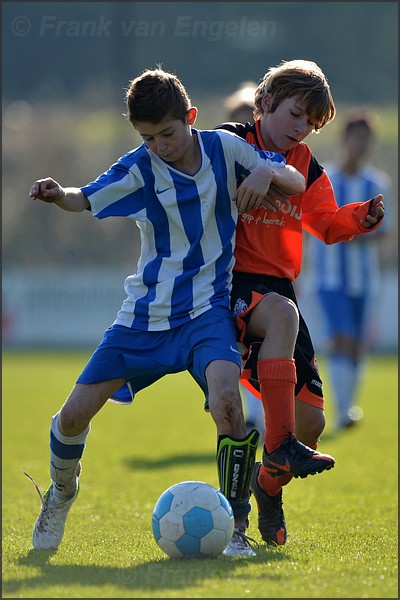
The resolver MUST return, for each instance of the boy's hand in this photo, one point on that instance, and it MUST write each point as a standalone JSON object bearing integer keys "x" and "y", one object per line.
{"x": 251, "y": 194}
{"x": 47, "y": 190}
{"x": 375, "y": 213}
{"x": 274, "y": 198}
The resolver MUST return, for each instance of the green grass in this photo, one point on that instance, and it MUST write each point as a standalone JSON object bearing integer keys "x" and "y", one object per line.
{"x": 342, "y": 524}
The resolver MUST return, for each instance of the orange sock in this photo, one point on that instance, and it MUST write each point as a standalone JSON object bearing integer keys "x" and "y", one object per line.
{"x": 272, "y": 485}
{"x": 277, "y": 379}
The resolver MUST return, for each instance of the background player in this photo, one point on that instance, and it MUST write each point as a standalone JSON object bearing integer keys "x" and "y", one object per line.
{"x": 347, "y": 275}
{"x": 239, "y": 106}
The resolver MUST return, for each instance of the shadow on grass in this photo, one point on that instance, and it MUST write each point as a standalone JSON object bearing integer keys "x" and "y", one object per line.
{"x": 169, "y": 461}
{"x": 153, "y": 576}
{"x": 336, "y": 434}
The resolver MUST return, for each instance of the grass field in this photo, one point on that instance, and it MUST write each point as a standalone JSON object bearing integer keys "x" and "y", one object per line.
{"x": 343, "y": 536}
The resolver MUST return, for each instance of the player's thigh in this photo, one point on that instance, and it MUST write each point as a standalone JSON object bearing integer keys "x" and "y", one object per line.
{"x": 338, "y": 312}
{"x": 212, "y": 339}
{"x": 274, "y": 315}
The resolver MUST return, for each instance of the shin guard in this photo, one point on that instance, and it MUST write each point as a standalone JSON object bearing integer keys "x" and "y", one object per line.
{"x": 235, "y": 461}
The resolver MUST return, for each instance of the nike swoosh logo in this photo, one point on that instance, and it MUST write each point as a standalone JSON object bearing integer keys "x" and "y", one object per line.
{"x": 234, "y": 350}
{"x": 158, "y": 191}
{"x": 285, "y": 467}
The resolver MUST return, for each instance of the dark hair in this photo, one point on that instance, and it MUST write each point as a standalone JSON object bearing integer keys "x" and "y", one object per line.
{"x": 360, "y": 119}
{"x": 154, "y": 95}
{"x": 302, "y": 78}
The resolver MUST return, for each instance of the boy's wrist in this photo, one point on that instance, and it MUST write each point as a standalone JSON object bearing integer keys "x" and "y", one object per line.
{"x": 62, "y": 194}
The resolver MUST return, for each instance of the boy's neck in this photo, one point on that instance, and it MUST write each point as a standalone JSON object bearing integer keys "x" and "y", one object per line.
{"x": 264, "y": 137}
{"x": 351, "y": 167}
{"x": 190, "y": 162}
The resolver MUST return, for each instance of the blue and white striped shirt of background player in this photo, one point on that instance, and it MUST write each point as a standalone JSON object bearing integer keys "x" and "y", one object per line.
{"x": 187, "y": 227}
{"x": 352, "y": 268}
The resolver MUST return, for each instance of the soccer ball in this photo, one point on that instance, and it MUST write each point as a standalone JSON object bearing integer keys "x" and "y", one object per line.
{"x": 192, "y": 519}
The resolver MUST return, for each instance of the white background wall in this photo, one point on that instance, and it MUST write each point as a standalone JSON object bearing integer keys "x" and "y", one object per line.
{"x": 72, "y": 308}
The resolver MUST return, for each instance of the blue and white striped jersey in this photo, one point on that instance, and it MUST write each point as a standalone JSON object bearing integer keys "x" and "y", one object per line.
{"x": 351, "y": 267}
{"x": 187, "y": 226}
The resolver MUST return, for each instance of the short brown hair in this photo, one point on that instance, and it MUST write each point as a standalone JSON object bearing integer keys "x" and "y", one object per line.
{"x": 302, "y": 78}
{"x": 154, "y": 95}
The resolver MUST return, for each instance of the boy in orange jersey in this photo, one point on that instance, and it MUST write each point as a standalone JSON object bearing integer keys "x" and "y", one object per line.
{"x": 293, "y": 100}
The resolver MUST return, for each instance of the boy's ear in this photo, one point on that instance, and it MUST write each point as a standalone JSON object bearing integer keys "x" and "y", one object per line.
{"x": 266, "y": 101}
{"x": 191, "y": 116}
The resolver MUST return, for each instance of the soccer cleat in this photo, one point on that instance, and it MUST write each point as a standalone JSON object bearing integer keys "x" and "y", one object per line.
{"x": 294, "y": 458}
{"x": 240, "y": 545}
{"x": 271, "y": 519}
{"x": 50, "y": 524}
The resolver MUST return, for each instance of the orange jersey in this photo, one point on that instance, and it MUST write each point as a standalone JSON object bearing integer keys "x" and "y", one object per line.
{"x": 270, "y": 243}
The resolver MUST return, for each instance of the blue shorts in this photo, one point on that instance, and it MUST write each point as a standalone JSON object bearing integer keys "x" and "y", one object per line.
{"x": 344, "y": 314}
{"x": 143, "y": 357}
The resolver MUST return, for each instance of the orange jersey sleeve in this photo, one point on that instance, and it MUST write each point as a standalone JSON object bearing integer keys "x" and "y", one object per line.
{"x": 270, "y": 243}
{"x": 325, "y": 220}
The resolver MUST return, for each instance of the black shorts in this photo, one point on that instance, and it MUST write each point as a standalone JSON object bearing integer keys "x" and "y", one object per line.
{"x": 249, "y": 289}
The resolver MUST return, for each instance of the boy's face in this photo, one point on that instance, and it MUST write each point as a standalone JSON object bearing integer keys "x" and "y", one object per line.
{"x": 288, "y": 125}
{"x": 358, "y": 143}
{"x": 170, "y": 139}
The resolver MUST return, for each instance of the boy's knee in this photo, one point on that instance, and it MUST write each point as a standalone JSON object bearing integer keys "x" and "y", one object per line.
{"x": 228, "y": 398}
{"x": 72, "y": 421}
{"x": 287, "y": 313}
{"x": 279, "y": 314}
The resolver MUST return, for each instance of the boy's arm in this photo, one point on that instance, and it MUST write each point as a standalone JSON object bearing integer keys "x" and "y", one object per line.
{"x": 48, "y": 190}
{"x": 325, "y": 220}
{"x": 289, "y": 180}
{"x": 255, "y": 190}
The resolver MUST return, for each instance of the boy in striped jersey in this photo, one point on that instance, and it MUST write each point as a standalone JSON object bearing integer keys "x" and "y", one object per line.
{"x": 180, "y": 188}
{"x": 293, "y": 100}
{"x": 348, "y": 274}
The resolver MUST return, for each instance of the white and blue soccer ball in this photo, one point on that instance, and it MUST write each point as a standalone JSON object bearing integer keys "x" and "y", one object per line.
{"x": 192, "y": 519}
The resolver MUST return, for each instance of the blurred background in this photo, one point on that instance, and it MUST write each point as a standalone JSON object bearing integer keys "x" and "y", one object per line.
{"x": 65, "y": 69}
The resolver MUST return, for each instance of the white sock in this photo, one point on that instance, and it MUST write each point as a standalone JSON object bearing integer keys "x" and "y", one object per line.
{"x": 343, "y": 376}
